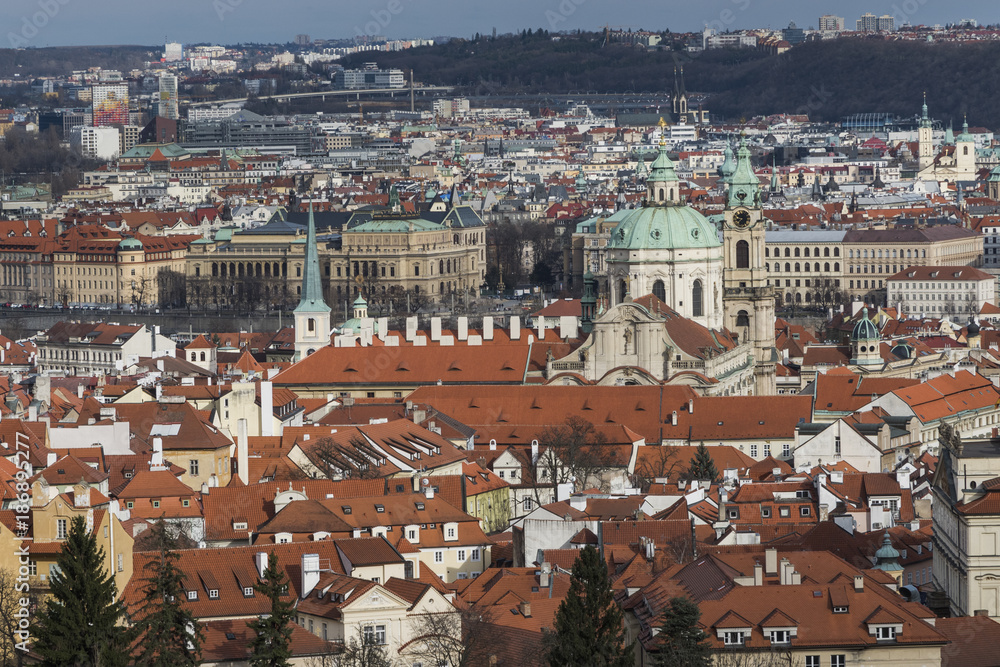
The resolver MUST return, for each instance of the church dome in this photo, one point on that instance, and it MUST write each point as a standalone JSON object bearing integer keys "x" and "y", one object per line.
{"x": 972, "y": 329}
{"x": 902, "y": 350}
{"x": 664, "y": 228}
{"x": 865, "y": 329}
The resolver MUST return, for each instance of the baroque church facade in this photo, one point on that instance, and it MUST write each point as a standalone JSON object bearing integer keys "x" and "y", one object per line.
{"x": 685, "y": 306}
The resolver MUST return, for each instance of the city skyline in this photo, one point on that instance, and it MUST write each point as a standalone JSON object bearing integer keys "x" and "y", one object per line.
{"x": 41, "y": 23}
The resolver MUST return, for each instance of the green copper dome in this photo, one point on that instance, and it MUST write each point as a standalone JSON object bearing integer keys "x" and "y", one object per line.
{"x": 965, "y": 136}
{"x": 865, "y": 329}
{"x": 728, "y": 166}
{"x": 664, "y": 228}
{"x": 744, "y": 188}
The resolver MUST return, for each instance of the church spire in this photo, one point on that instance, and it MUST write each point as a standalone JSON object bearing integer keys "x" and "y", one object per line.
{"x": 312, "y": 289}
{"x": 744, "y": 188}
{"x": 925, "y": 121}
{"x": 662, "y": 184}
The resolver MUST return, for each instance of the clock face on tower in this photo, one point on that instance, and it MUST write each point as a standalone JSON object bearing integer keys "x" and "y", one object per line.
{"x": 741, "y": 219}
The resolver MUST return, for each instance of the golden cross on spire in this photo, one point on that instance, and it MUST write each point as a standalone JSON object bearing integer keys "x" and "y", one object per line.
{"x": 663, "y": 132}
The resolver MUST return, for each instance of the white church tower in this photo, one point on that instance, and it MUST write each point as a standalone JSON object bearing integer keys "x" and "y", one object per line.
{"x": 312, "y": 316}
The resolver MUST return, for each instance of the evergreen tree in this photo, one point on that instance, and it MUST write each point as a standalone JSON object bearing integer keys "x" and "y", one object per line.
{"x": 589, "y": 629}
{"x": 271, "y": 645}
{"x": 79, "y": 624}
{"x": 702, "y": 465}
{"x": 682, "y": 642}
{"x": 171, "y": 636}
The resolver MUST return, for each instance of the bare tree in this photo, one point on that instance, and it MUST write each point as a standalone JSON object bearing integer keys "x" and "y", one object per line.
{"x": 769, "y": 657}
{"x": 575, "y": 452}
{"x": 659, "y": 463}
{"x": 459, "y": 638}
{"x": 357, "y": 460}
{"x": 363, "y": 651}
{"x": 10, "y": 633}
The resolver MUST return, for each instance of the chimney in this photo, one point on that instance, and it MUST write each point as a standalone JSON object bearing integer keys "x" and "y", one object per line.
{"x": 79, "y": 391}
{"x": 786, "y": 570}
{"x": 260, "y": 558}
{"x": 463, "y": 328}
{"x": 488, "y": 327}
{"x": 526, "y": 609}
{"x": 796, "y": 579}
{"x": 243, "y": 451}
{"x": 859, "y": 583}
{"x": 435, "y": 329}
{"x": 428, "y": 489}
{"x": 50, "y": 459}
{"x": 903, "y": 479}
{"x": 540, "y": 324}
{"x": 771, "y": 562}
{"x": 673, "y": 418}
{"x": 310, "y": 573}
{"x": 204, "y": 488}
{"x": 411, "y": 329}
{"x": 515, "y": 327}
{"x": 266, "y": 409}
{"x": 546, "y": 575}
{"x": 758, "y": 574}
{"x": 157, "y": 458}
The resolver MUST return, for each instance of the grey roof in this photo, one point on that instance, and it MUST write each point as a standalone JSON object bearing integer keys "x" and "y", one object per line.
{"x": 805, "y": 236}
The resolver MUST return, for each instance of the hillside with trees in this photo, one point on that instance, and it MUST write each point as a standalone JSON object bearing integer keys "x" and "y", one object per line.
{"x": 827, "y": 79}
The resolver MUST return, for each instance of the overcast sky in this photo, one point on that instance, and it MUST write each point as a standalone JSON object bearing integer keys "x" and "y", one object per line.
{"x": 149, "y": 22}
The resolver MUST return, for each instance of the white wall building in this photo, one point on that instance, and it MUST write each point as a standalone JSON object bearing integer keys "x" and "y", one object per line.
{"x": 938, "y": 291}
{"x": 102, "y": 143}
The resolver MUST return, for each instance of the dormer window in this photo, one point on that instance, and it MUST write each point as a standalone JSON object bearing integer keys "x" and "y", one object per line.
{"x": 885, "y": 633}
{"x": 420, "y": 506}
{"x": 380, "y": 509}
{"x": 840, "y": 610}
{"x": 213, "y": 594}
{"x": 192, "y": 595}
{"x": 239, "y": 525}
{"x": 248, "y": 591}
{"x": 780, "y": 637}
{"x": 346, "y": 509}
{"x": 734, "y": 638}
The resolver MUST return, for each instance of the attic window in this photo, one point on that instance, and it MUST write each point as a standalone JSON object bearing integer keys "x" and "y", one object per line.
{"x": 60, "y": 471}
{"x": 128, "y": 475}
{"x": 239, "y": 525}
{"x": 213, "y": 594}
{"x": 380, "y": 508}
{"x": 839, "y": 610}
{"x": 346, "y": 509}
{"x": 248, "y": 591}
{"x": 420, "y": 506}
{"x": 230, "y": 636}
{"x": 399, "y": 488}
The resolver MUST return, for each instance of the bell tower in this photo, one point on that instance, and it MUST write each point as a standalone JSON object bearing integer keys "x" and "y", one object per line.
{"x": 925, "y": 139}
{"x": 312, "y": 315}
{"x": 748, "y": 299}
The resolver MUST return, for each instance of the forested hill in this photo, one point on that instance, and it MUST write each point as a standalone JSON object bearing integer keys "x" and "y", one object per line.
{"x": 828, "y": 79}
{"x": 63, "y": 60}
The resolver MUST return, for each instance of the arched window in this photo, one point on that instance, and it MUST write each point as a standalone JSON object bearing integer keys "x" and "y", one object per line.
{"x": 850, "y": 254}
{"x": 788, "y": 297}
{"x": 767, "y": 252}
{"x": 215, "y": 270}
{"x": 788, "y": 252}
{"x": 809, "y": 297}
{"x": 965, "y": 150}
{"x": 836, "y": 252}
{"x": 816, "y": 267}
{"x": 767, "y": 267}
{"x": 661, "y": 194}
{"x": 788, "y": 267}
{"x": 743, "y": 319}
{"x": 742, "y": 255}
{"x": 798, "y": 298}
{"x": 798, "y": 252}
{"x": 659, "y": 291}
{"x": 815, "y": 252}
{"x": 798, "y": 267}
{"x": 311, "y": 325}
{"x": 826, "y": 252}
{"x": 826, "y": 266}
{"x": 696, "y": 300}
{"x": 622, "y": 291}
{"x": 203, "y": 356}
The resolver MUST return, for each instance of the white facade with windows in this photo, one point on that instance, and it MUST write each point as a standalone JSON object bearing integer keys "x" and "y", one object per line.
{"x": 939, "y": 291}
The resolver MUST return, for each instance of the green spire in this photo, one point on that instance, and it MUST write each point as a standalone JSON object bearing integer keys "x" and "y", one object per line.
{"x": 965, "y": 136}
{"x": 728, "y": 166}
{"x": 662, "y": 169}
{"x": 312, "y": 290}
{"x": 775, "y": 183}
{"x": 744, "y": 188}
{"x": 394, "y": 205}
{"x": 640, "y": 170}
{"x": 925, "y": 121}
